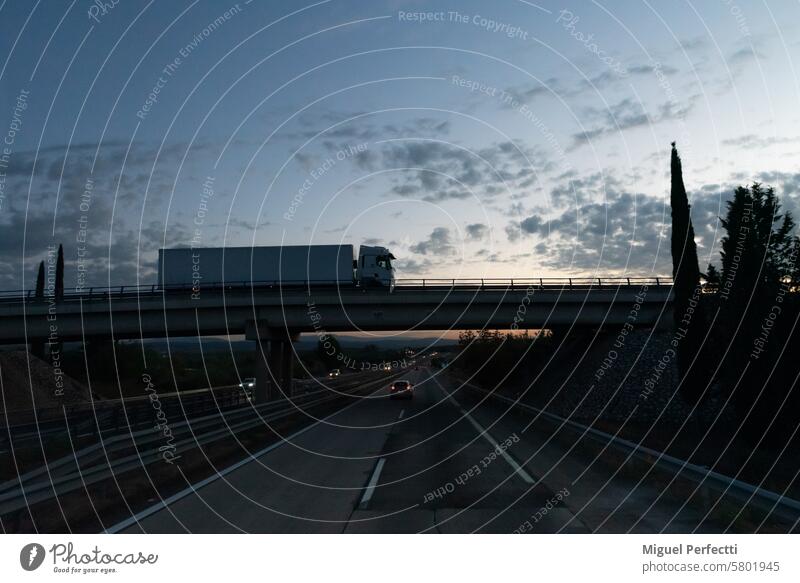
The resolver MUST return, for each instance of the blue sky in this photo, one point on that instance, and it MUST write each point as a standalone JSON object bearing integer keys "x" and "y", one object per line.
{"x": 475, "y": 139}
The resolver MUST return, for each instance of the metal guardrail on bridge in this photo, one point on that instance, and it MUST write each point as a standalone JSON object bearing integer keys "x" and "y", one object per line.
{"x": 533, "y": 282}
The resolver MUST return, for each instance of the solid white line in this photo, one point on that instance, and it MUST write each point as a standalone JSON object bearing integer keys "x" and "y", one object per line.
{"x": 402, "y": 412}
{"x": 510, "y": 460}
{"x": 373, "y": 481}
{"x": 195, "y": 487}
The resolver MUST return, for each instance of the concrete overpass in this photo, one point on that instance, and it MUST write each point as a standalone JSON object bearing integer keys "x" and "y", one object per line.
{"x": 274, "y": 315}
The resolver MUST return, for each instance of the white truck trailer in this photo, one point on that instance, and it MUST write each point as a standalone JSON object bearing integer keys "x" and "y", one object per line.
{"x": 296, "y": 265}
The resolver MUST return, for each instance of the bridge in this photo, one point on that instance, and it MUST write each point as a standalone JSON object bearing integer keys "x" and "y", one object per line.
{"x": 273, "y": 314}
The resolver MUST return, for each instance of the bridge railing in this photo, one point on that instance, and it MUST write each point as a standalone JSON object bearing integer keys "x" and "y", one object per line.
{"x": 123, "y": 291}
{"x": 534, "y": 282}
{"x": 118, "y": 291}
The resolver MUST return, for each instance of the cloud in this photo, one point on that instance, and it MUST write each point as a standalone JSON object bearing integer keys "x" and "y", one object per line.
{"x": 708, "y": 202}
{"x": 477, "y": 231}
{"x": 787, "y": 186}
{"x": 698, "y": 43}
{"x": 724, "y": 73}
{"x": 526, "y": 94}
{"x": 435, "y": 171}
{"x": 433, "y": 125}
{"x": 628, "y": 114}
{"x": 438, "y": 243}
{"x": 650, "y": 68}
{"x": 578, "y": 191}
{"x": 625, "y": 233}
{"x": 98, "y": 211}
{"x": 753, "y": 141}
{"x": 238, "y": 223}
{"x": 413, "y": 266}
{"x": 630, "y": 232}
{"x": 487, "y": 255}
{"x": 533, "y": 225}
{"x": 513, "y": 231}
{"x": 745, "y": 55}
{"x": 361, "y": 127}
{"x": 607, "y": 78}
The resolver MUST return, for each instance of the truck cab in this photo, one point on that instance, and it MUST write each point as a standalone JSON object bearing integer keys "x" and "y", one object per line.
{"x": 374, "y": 267}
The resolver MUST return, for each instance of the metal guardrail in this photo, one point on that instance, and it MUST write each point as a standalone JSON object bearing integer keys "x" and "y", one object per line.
{"x": 534, "y": 282}
{"x": 100, "y": 417}
{"x": 137, "y": 449}
{"x": 137, "y": 291}
{"x": 107, "y": 416}
{"x": 765, "y": 500}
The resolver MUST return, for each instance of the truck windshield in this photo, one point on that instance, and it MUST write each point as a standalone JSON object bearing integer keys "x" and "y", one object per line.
{"x": 384, "y": 261}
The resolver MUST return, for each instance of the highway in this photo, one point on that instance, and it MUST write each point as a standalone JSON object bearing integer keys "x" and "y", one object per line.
{"x": 443, "y": 462}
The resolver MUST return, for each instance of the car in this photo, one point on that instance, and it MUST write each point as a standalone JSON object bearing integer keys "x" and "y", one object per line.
{"x": 401, "y": 390}
{"x": 247, "y": 385}
{"x": 334, "y": 373}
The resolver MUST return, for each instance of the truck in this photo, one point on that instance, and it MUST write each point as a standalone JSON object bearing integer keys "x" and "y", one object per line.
{"x": 291, "y": 265}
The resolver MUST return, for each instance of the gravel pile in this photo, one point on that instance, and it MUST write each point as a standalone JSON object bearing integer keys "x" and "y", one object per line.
{"x": 40, "y": 386}
{"x": 615, "y": 378}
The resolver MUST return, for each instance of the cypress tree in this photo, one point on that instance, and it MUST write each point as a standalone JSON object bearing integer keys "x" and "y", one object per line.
{"x": 59, "y": 289}
{"x": 56, "y": 347}
{"x": 40, "y": 281}
{"x": 37, "y": 348}
{"x": 687, "y": 311}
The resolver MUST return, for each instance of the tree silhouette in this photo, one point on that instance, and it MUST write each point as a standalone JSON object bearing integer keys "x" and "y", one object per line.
{"x": 59, "y": 288}
{"x": 58, "y": 292}
{"x": 794, "y": 268}
{"x": 712, "y": 275}
{"x": 37, "y": 348}
{"x": 759, "y": 258}
{"x": 40, "y": 281}
{"x": 687, "y": 308}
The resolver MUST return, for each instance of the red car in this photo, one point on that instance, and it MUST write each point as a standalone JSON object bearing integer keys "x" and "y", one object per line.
{"x": 401, "y": 390}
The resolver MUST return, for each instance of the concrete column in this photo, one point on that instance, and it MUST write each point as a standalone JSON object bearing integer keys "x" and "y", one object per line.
{"x": 263, "y": 392}
{"x": 274, "y": 360}
{"x": 276, "y": 367}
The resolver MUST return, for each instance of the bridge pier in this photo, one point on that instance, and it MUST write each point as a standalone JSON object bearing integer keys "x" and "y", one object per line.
{"x": 274, "y": 360}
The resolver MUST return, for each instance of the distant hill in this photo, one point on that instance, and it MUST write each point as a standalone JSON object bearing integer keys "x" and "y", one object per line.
{"x": 306, "y": 342}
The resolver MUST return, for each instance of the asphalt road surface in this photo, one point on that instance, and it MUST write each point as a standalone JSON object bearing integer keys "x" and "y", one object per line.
{"x": 442, "y": 462}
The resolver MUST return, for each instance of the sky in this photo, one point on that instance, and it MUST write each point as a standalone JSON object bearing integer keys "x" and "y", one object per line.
{"x": 474, "y": 139}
